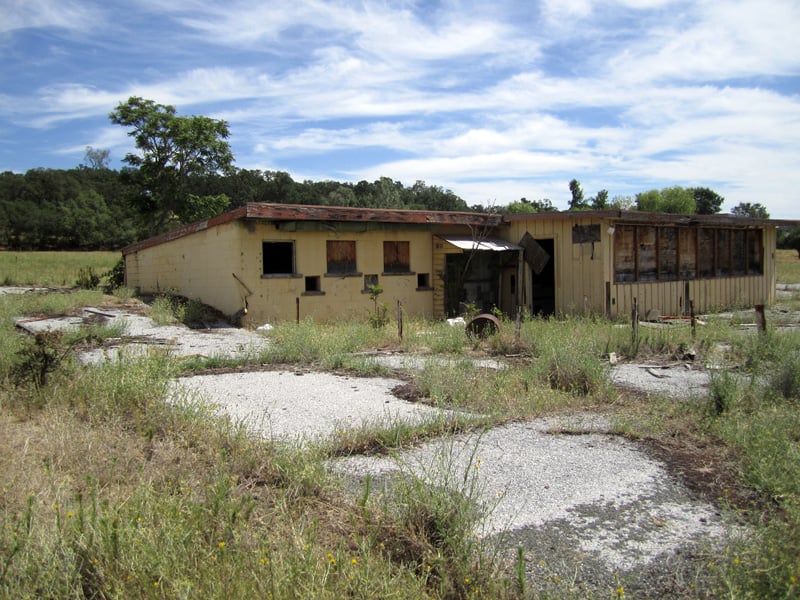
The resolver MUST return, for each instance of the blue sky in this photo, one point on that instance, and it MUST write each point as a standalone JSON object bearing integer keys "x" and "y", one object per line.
{"x": 493, "y": 100}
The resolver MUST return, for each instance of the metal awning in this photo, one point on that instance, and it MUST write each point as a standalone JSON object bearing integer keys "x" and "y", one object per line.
{"x": 468, "y": 243}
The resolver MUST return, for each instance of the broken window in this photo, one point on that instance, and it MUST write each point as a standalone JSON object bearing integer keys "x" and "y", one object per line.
{"x": 723, "y": 253}
{"x": 738, "y": 252}
{"x": 370, "y": 281}
{"x": 687, "y": 251}
{"x": 341, "y": 257}
{"x": 277, "y": 258}
{"x": 625, "y": 253}
{"x": 647, "y": 249}
{"x": 396, "y": 257}
{"x": 667, "y": 253}
{"x": 755, "y": 252}
{"x": 706, "y": 245}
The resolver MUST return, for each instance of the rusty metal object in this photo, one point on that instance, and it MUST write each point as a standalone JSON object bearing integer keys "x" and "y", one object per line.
{"x": 483, "y": 326}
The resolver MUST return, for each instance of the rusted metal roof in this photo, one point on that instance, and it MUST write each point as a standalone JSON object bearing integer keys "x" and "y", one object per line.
{"x": 636, "y": 216}
{"x": 332, "y": 214}
{"x": 300, "y": 212}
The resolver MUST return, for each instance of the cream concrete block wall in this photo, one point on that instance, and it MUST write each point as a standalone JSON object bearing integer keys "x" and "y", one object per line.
{"x": 198, "y": 266}
{"x": 281, "y": 298}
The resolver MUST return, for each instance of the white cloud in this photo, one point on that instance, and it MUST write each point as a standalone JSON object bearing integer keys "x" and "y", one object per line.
{"x": 66, "y": 14}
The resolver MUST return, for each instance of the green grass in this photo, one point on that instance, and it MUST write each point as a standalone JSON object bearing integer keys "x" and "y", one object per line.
{"x": 787, "y": 266}
{"x": 52, "y": 269}
{"x": 109, "y": 490}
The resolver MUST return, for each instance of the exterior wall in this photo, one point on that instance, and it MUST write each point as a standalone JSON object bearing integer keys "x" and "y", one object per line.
{"x": 222, "y": 265}
{"x": 198, "y": 266}
{"x": 579, "y": 268}
{"x": 669, "y": 297}
{"x": 278, "y": 298}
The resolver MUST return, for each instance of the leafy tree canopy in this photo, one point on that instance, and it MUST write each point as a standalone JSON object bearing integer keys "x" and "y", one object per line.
{"x": 171, "y": 150}
{"x": 747, "y": 209}
{"x": 707, "y": 201}
{"x": 675, "y": 200}
{"x": 523, "y": 206}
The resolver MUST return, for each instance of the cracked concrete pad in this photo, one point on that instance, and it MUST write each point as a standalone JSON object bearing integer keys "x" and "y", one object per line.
{"x": 307, "y": 406}
{"x": 608, "y": 500}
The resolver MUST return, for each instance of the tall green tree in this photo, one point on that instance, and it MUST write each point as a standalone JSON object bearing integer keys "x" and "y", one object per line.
{"x": 707, "y": 201}
{"x": 600, "y": 201}
{"x": 577, "y": 202}
{"x": 171, "y": 151}
{"x": 675, "y": 200}
{"x": 748, "y": 209}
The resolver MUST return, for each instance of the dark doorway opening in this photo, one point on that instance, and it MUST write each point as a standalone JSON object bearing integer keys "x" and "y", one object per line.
{"x": 475, "y": 282}
{"x": 543, "y": 296}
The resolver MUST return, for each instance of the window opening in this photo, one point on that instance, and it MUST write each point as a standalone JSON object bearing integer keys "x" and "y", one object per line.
{"x": 277, "y": 258}
{"x": 313, "y": 284}
{"x": 370, "y": 280}
{"x": 423, "y": 280}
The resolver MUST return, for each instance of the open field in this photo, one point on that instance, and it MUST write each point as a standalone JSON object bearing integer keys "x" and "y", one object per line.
{"x": 787, "y": 266}
{"x": 52, "y": 269}
{"x": 108, "y": 490}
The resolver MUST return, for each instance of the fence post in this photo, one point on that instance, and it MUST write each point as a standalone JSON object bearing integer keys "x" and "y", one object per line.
{"x": 400, "y": 320}
{"x": 761, "y": 318}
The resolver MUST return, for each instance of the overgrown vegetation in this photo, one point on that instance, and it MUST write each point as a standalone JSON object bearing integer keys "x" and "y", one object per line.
{"x": 109, "y": 489}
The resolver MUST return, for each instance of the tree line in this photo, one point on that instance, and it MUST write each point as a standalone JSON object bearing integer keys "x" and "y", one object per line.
{"x": 182, "y": 171}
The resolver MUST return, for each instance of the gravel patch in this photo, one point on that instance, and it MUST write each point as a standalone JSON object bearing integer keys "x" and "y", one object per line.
{"x": 679, "y": 382}
{"x": 140, "y": 333}
{"x": 301, "y": 406}
{"x": 591, "y": 500}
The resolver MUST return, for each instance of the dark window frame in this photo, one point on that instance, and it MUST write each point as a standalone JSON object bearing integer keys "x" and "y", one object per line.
{"x": 281, "y": 263}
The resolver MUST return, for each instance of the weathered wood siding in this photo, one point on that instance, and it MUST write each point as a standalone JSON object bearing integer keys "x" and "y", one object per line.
{"x": 579, "y": 267}
{"x": 706, "y": 293}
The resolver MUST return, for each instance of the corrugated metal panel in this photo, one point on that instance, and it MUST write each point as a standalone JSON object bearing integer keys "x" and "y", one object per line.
{"x": 490, "y": 244}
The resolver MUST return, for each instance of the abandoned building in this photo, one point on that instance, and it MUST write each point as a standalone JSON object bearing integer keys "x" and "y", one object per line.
{"x": 277, "y": 262}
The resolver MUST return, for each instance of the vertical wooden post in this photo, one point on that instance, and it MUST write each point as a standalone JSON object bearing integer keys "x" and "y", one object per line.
{"x": 761, "y": 318}
{"x": 635, "y": 327}
{"x": 518, "y": 327}
{"x": 297, "y": 304}
{"x": 693, "y": 318}
{"x": 400, "y": 320}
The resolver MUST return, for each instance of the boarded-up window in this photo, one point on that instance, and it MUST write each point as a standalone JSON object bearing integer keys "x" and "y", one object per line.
{"x": 739, "y": 252}
{"x": 625, "y": 253}
{"x": 723, "y": 252}
{"x": 706, "y": 248}
{"x": 687, "y": 251}
{"x": 648, "y": 268}
{"x": 396, "y": 257}
{"x": 341, "y": 257}
{"x": 755, "y": 252}
{"x": 667, "y": 253}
